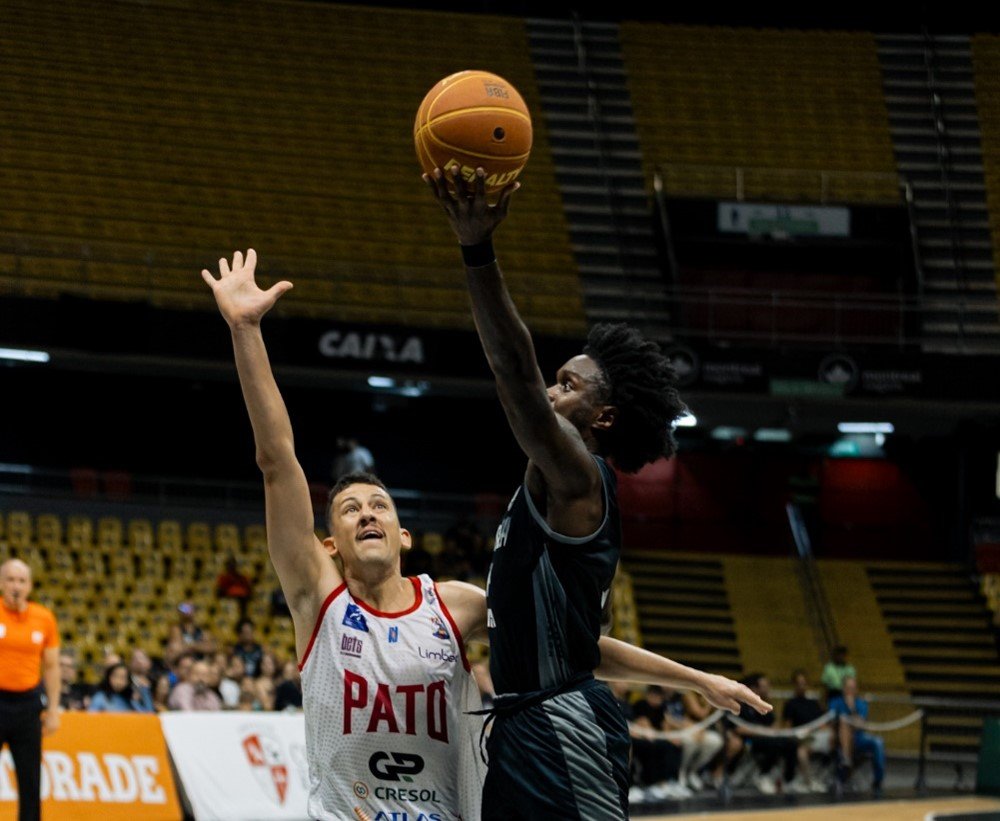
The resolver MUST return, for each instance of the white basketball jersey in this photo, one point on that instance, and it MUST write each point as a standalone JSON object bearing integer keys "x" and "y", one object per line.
{"x": 385, "y": 697}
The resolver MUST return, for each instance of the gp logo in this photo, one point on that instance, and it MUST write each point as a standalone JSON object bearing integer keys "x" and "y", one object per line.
{"x": 395, "y": 766}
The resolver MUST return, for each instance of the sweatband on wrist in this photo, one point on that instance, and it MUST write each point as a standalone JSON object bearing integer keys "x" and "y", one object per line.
{"x": 479, "y": 255}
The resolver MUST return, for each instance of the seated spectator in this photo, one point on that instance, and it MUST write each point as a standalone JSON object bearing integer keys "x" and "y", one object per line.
{"x": 799, "y": 710}
{"x": 766, "y": 751}
{"x": 836, "y": 670}
{"x": 195, "y": 694}
{"x": 74, "y": 695}
{"x": 139, "y": 667}
{"x": 231, "y": 584}
{"x": 248, "y": 695}
{"x": 187, "y": 637}
{"x": 115, "y": 694}
{"x": 853, "y": 740}
{"x": 229, "y": 687}
{"x": 247, "y": 648}
{"x": 700, "y": 748}
{"x": 288, "y": 695}
{"x": 161, "y": 693}
{"x": 180, "y": 670}
{"x": 659, "y": 758}
{"x": 265, "y": 686}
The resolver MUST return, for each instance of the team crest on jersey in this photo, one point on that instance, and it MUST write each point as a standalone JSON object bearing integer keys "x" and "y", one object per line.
{"x": 267, "y": 762}
{"x": 439, "y": 629}
{"x": 393, "y": 635}
{"x": 353, "y": 617}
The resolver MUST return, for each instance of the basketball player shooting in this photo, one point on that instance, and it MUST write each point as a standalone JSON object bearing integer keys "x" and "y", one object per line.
{"x": 386, "y": 682}
{"x": 558, "y": 544}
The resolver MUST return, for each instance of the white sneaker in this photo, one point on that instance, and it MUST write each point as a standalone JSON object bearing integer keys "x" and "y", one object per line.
{"x": 817, "y": 785}
{"x": 797, "y": 786}
{"x": 765, "y": 784}
{"x": 636, "y": 795}
{"x": 695, "y": 783}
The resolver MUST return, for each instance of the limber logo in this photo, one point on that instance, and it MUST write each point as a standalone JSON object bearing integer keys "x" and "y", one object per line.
{"x": 104, "y": 777}
{"x": 436, "y": 655}
{"x": 395, "y": 766}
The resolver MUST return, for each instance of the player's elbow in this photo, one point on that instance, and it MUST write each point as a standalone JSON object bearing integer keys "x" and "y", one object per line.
{"x": 273, "y": 458}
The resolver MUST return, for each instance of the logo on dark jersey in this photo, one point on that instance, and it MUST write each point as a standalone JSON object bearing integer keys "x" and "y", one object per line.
{"x": 351, "y": 646}
{"x": 395, "y": 766}
{"x": 353, "y": 617}
{"x": 393, "y": 635}
{"x": 439, "y": 629}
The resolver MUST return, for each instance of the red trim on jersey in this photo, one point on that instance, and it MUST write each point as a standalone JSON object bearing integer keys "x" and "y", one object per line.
{"x": 418, "y": 597}
{"x": 454, "y": 628}
{"x": 319, "y": 621}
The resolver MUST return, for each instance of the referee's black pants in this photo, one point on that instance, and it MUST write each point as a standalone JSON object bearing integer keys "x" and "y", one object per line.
{"x": 21, "y": 730}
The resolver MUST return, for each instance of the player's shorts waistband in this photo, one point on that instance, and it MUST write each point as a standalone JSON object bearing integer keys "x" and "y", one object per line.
{"x": 510, "y": 703}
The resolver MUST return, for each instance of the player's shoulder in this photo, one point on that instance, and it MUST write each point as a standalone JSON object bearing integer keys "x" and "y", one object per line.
{"x": 458, "y": 593}
{"x": 40, "y": 612}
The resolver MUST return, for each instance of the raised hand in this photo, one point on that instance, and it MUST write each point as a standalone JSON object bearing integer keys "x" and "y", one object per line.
{"x": 237, "y": 294}
{"x": 471, "y": 216}
{"x": 726, "y": 694}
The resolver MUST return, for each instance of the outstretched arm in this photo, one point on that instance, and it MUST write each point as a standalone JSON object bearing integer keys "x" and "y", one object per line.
{"x": 621, "y": 661}
{"x": 550, "y": 442}
{"x": 305, "y": 570}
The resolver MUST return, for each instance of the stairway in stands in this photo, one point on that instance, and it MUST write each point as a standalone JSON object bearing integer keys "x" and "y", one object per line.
{"x": 941, "y": 629}
{"x": 684, "y": 609}
{"x": 583, "y": 85}
{"x": 930, "y": 96}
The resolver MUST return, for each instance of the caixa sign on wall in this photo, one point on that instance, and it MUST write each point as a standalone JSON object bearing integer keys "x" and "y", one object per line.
{"x": 372, "y": 347}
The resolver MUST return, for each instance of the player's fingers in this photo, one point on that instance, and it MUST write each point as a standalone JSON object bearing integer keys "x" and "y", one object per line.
{"x": 223, "y": 266}
{"x": 209, "y": 279}
{"x": 480, "y": 186}
{"x": 461, "y": 188}
{"x": 237, "y": 260}
{"x": 503, "y": 204}
{"x": 440, "y": 186}
{"x": 251, "y": 259}
{"x": 279, "y": 289}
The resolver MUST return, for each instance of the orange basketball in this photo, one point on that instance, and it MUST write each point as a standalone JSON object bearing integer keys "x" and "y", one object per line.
{"x": 474, "y": 119}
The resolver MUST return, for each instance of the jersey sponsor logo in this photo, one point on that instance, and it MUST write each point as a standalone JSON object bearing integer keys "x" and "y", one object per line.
{"x": 353, "y": 617}
{"x": 37, "y": 636}
{"x": 406, "y": 815}
{"x": 436, "y": 655}
{"x": 429, "y": 595}
{"x": 395, "y": 766}
{"x": 439, "y": 629}
{"x": 393, "y": 635}
{"x": 3, "y": 630}
{"x": 370, "y": 707}
{"x": 267, "y": 762}
{"x": 361, "y": 790}
{"x": 351, "y": 646}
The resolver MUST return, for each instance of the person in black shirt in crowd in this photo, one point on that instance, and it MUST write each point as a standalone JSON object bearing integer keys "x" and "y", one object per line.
{"x": 766, "y": 751}
{"x": 803, "y": 709}
{"x": 247, "y": 648}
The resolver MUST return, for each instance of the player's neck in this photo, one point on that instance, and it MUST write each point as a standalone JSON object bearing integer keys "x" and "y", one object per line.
{"x": 388, "y": 592}
{"x": 17, "y": 606}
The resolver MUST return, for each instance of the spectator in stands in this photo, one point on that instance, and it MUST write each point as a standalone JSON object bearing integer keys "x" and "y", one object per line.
{"x": 215, "y": 673}
{"x": 248, "y": 695}
{"x": 265, "y": 681}
{"x": 74, "y": 695}
{"x": 111, "y": 658}
{"x": 161, "y": 693}
{"x": 229, "y": 687}
{"x": 232, "y": 584}
{"x": 799, "y": 710}
{"x": 181, "y": 669}
{"x": 187, "y": 636}
{"x": 659, "y": 758}
{"x": 836, "y": 670}
{"x": 766, "y": 751}
{"x": 704, "y": 745}
{"x": 140, "y": 665}
{"x": 115, "y": 694}
{"x": 195, "y": 694}
{"x": 288, "y": 694}
{"x": 351, "y": 458}
{"x": 247, "y": 648}
{"x": 853, "y": 740}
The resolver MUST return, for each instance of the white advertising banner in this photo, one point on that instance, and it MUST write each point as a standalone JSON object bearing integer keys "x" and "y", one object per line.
{"x": 240, "y": 766}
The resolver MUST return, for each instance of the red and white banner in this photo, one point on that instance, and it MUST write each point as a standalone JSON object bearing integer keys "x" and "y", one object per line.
{"x": 100, "y": 766}
{"x": 236, "y": 766}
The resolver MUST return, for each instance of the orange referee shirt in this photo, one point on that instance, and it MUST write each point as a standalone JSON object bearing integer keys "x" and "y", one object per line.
{"x": 23, "y": 637}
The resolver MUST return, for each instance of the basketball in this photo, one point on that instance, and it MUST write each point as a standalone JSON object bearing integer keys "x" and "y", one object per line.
{"x": 474, "y": 119}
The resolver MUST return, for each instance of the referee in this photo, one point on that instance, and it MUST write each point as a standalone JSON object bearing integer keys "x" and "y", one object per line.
{"x": 29, "y": 652}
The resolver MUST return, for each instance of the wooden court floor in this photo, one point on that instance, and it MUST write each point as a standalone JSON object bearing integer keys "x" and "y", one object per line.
{"x": 915, "y": 810}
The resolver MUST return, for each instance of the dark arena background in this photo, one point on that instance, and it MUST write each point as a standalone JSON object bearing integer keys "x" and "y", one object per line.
{"x": 802, "y": 209}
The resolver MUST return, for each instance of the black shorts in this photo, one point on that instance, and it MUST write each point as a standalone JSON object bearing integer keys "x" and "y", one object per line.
{"x": 566, "y": 757}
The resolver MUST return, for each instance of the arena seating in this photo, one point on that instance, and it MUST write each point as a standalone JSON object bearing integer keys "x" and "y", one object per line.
{"x": 127, "y": 169}
{"x": 710, "y": 99}
{"x": 986, "y": 62}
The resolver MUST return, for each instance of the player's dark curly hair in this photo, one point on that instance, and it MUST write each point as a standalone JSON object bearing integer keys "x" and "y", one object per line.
{"x": 641, "y": 383}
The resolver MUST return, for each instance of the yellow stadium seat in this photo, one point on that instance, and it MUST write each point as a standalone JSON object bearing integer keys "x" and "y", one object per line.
{"x": 20, "y": 533}
{"x": 80, "y": 533}
{"x": 168, "y": 536}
